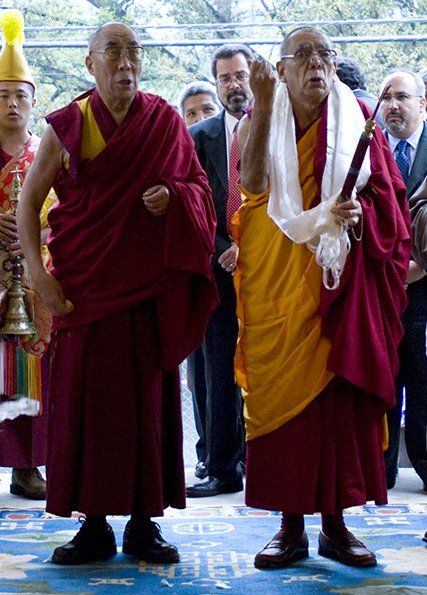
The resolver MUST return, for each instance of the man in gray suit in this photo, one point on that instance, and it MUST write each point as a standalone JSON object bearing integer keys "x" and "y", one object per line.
{"x": 403, "y": 111}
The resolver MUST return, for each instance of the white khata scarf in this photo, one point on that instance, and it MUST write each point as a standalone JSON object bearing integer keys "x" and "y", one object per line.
{"x": 316, "y": 227}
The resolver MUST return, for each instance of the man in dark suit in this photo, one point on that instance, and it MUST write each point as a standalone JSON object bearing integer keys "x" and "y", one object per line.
{"x": 403, "y": 111}
{"x": 196, "y": 102}
{"x": 214, "y": 144}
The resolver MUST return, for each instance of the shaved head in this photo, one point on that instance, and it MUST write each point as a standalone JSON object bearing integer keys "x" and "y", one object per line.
{"x": 98, "y": 35}
{"x": 286, "y": 40}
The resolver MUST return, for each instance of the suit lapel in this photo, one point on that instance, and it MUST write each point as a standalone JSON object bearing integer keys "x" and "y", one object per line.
{"x": 216, "y": 147}
{"x": 419, "y": 168}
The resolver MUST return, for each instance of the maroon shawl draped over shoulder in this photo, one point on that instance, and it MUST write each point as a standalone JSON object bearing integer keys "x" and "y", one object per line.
{"x": 108, "y": 252}
{"x": 362, "y": 316}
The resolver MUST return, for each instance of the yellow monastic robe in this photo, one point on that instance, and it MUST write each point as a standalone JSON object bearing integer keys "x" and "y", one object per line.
{"x": 281, "y": 355}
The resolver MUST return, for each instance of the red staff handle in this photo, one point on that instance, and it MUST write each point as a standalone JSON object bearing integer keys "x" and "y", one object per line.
{"x": 360, "y": 152}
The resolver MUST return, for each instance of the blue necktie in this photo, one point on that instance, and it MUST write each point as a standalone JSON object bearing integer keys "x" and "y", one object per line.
{"x": 401, "y": 154}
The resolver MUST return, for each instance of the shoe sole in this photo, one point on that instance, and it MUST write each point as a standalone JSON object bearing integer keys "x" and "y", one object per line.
{"x": 298, "y": 555}
{"x": 101, "y": 558}
{"x": 129, "y": 551}
{"x": 333, "y": 555}
{"x": 17, "y": 490}
{"x": 204, "y": 495}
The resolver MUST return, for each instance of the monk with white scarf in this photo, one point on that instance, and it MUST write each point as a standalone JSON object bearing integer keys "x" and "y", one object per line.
{"x": 320, "y": 286}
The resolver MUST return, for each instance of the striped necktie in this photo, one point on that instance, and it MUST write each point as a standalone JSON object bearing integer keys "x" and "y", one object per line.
{"x": 401, "y": 154}
{"x": 234, "y": 199}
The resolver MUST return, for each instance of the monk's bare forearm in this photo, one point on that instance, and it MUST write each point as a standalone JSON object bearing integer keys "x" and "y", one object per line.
{"x": 36, "y": 186}
{"x": 254, "y": 141}
{"x": 29, "y": 237}
{"x": 254, "y": 161}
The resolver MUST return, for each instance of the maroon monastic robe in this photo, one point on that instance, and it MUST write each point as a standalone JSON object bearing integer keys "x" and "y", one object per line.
{"x": 107, "y": 251}
{"x": 142, "y": 293}
{"x": 330, "y": 457}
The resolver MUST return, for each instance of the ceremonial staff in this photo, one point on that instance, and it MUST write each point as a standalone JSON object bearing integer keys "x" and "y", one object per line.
{"x": 360, "y": 152}
{"x": 332, "y": 251}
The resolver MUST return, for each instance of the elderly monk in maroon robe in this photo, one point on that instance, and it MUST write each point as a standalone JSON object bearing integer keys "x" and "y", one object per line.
{"x": 130, "y": 291}
{"x": 317, "y": 353}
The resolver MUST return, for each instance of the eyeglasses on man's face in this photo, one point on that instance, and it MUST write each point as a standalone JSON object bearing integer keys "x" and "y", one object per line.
{"x": 400, "y": 97}
{"x": 114, "y": 54}
{"x": 224, "y": 80}
{"x": 303, "y": 56}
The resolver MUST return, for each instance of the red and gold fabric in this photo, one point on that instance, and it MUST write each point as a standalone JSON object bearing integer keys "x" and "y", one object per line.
{"x": 20, "y": 371}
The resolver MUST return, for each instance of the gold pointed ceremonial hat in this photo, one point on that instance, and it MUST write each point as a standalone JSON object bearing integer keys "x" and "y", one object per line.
{"x": 13, "y": 64}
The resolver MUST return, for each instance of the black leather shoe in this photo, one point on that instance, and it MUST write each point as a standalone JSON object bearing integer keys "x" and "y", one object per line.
{"x": 88, "y": 545}
{"x": 145, "y": 542}
{"x": 214, "y": 486}
{"x": 281, "y": 551}
{"x": 348, "y": 550}
{"x": 201, "y": 470}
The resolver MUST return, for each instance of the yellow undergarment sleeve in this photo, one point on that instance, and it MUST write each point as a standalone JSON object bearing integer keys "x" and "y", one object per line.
{"x": 281, "y": 355}
{"x": 49, "y": 203}
{"x": 92, "y": 140}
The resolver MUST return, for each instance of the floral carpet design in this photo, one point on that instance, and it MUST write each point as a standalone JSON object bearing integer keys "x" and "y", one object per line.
{"x": 217, "y": 546}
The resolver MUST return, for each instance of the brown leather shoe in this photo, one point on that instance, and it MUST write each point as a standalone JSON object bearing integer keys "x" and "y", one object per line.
{"x": 347, "y": 550}
{"x": 282, "y": 552}
{"x": 28, "y": 483}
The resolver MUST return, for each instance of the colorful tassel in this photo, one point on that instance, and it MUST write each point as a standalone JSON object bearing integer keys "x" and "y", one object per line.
{"x": 20, "y": 372}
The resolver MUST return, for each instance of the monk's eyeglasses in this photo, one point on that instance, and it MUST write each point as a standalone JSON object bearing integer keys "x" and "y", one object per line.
{"x": 114, "y": 54}
{"x": 303, "y": 56}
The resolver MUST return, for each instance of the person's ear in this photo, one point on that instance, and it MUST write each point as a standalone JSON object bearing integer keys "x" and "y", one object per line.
{"x": 281, "y": 71}
{"x": 89, "y": 65}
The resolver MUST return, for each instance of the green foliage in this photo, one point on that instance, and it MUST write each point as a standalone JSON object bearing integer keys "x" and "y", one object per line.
{"x": 61, "y": 73}
{"x": 375, "y": 58}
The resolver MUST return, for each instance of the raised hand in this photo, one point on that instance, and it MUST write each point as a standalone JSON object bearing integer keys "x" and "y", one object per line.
{"x": 262, "y": 81}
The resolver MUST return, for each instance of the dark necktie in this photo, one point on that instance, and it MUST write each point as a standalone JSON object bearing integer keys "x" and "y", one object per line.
{"x": 401, "y": 154}
{"x": 234, "y": 199}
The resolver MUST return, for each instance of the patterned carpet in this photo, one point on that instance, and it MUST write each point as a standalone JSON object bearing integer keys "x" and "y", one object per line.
{"x": 217, "y": 546}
